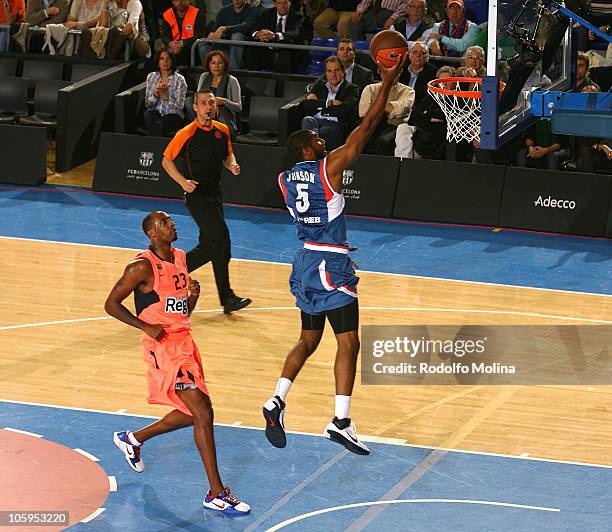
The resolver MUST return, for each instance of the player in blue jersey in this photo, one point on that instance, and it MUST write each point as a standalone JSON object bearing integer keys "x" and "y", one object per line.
{"x": 323, "y": 279}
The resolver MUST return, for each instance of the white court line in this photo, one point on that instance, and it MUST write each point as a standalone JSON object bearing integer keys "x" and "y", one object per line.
{"x": 86, "y": 454}
{"x": 318, "y": 435}
{"x": 409, "y": 501}
{"x": 524, "y": 455}
{"x": 395, "y": 309}
{"x": 122, "y": 411}
{"x": 112, "y": 483}
{"x": 382, "y": 439}
{"x": 92, "y": 516}
{"x": 410, "y": 276}
{"x": 24, "y": 432}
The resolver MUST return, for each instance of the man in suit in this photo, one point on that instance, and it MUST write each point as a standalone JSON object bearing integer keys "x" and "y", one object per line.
{"x": 354, "y": 73}
{"x": 331, "y": 104}
{"x": 419, "y": 71}
{"x": 413, "y": 26}
{"x": 279, "y": 24}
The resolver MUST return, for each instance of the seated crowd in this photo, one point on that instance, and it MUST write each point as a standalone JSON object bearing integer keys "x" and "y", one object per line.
{"x": 162, "y": 34}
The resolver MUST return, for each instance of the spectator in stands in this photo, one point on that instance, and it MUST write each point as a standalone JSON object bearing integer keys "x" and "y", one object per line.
{"x": 419, "y": 71}
{"x": 397, "y": 111}
{"x": 475, "y": 58}
{"x": 331, "y": 104}
{"x": 164, "y": 97}
{"x": 339, "y": 14}
{"x": 582, "y": 147}
{"x": 542, "y": 149}
{"x": 84, "y": 14}
{"x": 414, "y": 27}
{"x": 40, "y": 12}
{"x": 224, "y": 86}
{"x": 582, "y": 73}
{"x": 279, "y": 24}
{"x": 182, "y": 24}
{"x": 12, "y": 12}
{"x": 371, "y": 14}
{"x": 455, "y": 34}
{"x": 603, "y": 155}
{"x": 425, "y": 136}
{"x": 506, "y": 47}
{"x": 234, "y": 21}
{"x": 310, "y": 10}
{"x": 607, "y": 28}
{"x": 134, "y": 29}
{"x": 354, "y": 73}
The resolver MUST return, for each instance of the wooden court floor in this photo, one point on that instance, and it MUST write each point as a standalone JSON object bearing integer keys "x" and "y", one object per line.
{"x": 59, "y": 347}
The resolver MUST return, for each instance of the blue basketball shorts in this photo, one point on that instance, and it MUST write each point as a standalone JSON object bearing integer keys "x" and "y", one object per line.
{"x": 322, "y": 281}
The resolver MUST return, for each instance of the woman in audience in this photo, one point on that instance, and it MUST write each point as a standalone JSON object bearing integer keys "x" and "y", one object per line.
{"x": 165, "y": 97}
{"x": 224, "y": 86}
{"x": 84, "y": 14}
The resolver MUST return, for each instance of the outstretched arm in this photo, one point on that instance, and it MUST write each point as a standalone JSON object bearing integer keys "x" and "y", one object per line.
{"x": 136, "y": 274}
{"x": 339, "y": 159}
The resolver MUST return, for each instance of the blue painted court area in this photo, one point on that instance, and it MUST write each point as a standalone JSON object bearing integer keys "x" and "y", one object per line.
{"x": 438, "y": 490}
{"x": 69, "y": 214}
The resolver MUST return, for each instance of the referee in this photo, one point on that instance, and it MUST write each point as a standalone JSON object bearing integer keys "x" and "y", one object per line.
{"x": 194, "y": 159}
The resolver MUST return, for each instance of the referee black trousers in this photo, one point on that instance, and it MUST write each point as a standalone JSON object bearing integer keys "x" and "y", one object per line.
{"x": 214, "y": 242}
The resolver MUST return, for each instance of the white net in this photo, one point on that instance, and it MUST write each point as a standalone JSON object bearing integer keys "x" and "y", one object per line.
{"x": 459, "y": 100}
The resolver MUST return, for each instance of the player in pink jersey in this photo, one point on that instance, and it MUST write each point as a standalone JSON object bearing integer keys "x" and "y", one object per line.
{"x": 164, "y": 297}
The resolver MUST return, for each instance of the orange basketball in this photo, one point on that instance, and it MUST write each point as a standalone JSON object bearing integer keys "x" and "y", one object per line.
{"x": 387, "y": 47}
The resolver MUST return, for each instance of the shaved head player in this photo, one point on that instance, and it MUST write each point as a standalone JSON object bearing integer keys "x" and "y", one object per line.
{"x": 323, "y": 280}
{"x": 165, "y": 296}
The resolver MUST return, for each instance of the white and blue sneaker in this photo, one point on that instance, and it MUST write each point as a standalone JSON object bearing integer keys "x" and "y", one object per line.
{"x": 343, "y": 431}
{"x": 130, "y": 451}
{"x": 226, "y": 503}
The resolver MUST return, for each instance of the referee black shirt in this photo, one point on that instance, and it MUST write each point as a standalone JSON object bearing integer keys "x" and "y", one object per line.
{"x": 199, "y": 153}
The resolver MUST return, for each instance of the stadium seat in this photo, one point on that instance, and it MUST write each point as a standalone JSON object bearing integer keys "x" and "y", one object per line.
{"x": 292, "y": 88}
{"x": 317, "y": 57}
{"x": 37, "y": 70}
{"x": 82, "y": 71}
{"x": 8, "y": 67}
{"x": 45, "y": 104}
{"x": 13, "y": 99}
{"x": 263, "y": 121}
{"x": 255, "y": 86}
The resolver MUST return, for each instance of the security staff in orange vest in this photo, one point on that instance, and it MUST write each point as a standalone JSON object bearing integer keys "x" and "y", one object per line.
{"x": 182, "y": 25}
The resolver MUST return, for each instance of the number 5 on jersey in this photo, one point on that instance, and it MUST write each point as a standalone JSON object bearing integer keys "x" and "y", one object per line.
{"x": 301, "y": 201}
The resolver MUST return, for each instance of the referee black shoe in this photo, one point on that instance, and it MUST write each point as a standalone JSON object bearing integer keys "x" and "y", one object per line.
{"x": 343, "y": 431}
{"x": 234, "y": 303}
{"x": 274, "y": 414}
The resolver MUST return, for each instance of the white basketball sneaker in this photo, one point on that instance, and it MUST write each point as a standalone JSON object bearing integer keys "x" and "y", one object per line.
{"x": 131, "y": 452}
{"x": 226, "y": 503}
{"x": 343, "y": 431}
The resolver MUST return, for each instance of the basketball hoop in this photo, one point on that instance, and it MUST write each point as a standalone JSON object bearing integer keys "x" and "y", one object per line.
{"x": 459, "y": 99}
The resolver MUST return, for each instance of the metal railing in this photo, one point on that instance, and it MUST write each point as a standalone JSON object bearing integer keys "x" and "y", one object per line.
{"x": 281, "y": 46}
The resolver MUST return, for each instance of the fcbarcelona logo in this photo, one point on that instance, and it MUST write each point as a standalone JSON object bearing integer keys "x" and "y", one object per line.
{"x": 218, "y": 135}
{"x": 146, "y": 158}
{"x": 347, "y": 177}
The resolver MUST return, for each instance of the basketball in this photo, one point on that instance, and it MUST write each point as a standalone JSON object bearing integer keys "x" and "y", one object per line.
{"x": 388, "y": 47}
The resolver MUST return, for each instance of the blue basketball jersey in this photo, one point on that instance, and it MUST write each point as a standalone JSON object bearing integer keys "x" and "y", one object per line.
{"x": 317, "y": 209}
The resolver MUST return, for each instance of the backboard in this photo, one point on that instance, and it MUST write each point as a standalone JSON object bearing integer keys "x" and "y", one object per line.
{"x": 521, "y": 18}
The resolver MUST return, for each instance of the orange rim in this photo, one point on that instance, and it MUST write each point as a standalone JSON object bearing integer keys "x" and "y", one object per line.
{"x": 433, "y": 86}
